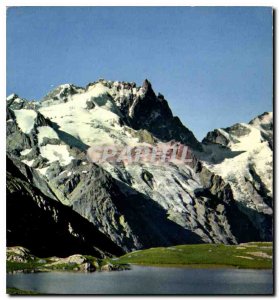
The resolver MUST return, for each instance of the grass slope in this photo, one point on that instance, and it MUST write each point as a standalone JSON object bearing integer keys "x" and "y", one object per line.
{"x": 249, "y": 255}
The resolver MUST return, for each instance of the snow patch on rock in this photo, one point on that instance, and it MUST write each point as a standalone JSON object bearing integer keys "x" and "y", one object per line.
{"x": 25, "y": 152}
{"x": 28, "y": 162}
{"x": 56, "y": 153}
{"x": 46, "y": 131}
{"x": 25, "y": 119}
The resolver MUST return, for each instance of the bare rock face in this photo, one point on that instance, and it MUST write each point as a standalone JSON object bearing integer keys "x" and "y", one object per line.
{"x": 223, "y": 196}
{"x": 153, "y": 114}
{"x": 46, "y": 226}
{"x": 107, "y": 267}
{"x": 88, "y": 267}
{"x": 19, "y": 254}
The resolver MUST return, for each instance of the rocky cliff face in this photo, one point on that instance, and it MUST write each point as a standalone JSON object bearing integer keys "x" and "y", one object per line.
{"x": 46, "y": 226}
{"x": 242, "y": 155}
{"x": 223, "y": 196}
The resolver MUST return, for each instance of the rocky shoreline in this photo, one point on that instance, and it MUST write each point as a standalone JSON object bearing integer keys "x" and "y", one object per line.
{"x": 20, "y": 260}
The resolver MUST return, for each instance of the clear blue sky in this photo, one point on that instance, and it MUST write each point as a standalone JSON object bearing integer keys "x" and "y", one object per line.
{"x": 214, "y": 65}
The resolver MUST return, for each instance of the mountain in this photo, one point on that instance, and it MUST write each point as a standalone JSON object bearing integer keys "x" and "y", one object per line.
{"x": 243, "y": 156}
{"x": 45, "y": 226}
{"x": 224, "y": 195}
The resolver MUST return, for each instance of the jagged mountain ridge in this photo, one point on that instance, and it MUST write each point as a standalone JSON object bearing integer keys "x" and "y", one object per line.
{"x": 136, "y": 206}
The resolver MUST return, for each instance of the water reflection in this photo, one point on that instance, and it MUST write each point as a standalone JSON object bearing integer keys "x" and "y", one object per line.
{"x": 148, "y": 280}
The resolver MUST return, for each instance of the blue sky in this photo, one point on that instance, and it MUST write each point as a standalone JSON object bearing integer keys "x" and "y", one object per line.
{"x": 213, "y": 65}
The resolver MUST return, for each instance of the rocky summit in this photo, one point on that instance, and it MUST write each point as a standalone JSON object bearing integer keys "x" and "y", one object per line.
{"x": 61, "y": 203}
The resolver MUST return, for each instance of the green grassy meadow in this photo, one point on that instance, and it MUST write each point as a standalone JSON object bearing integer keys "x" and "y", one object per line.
{"x": 249, "y": 255}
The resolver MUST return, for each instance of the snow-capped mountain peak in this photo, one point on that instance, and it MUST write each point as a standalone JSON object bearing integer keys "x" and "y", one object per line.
{"x": 242, "y": 155}
{"x": 225, "y": 195}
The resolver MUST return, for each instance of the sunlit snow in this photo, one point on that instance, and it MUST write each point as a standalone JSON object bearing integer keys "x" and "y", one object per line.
{"x": 25, "y": 119}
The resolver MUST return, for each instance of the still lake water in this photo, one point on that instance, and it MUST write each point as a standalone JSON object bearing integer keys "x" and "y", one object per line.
{"x": 148, "y": 280}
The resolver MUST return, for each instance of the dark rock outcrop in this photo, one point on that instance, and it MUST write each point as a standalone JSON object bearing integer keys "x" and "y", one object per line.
{"x": 153, "y": 114}
{"x": 47, "y": 227}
